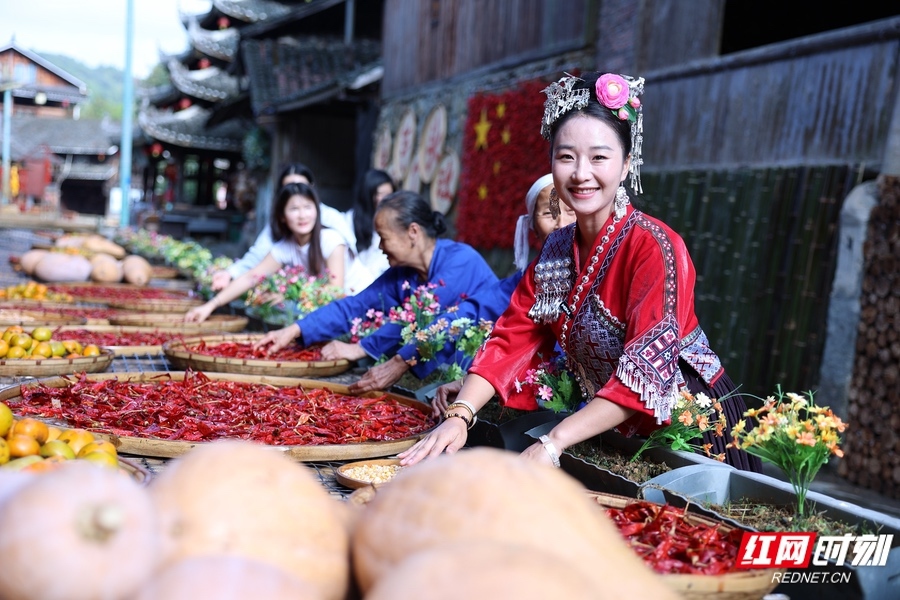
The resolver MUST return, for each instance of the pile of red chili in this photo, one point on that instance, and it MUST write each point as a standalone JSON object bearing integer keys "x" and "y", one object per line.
{"x": 118, "y": 293}
{"x": 245, "y": 350}
{"x": 117, "y": 338}
{"x": 202, "y": 409}
{"x": 669, "y": 543}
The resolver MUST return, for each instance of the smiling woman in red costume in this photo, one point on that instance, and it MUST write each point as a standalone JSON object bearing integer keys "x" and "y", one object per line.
{"x": 615, "y": 291}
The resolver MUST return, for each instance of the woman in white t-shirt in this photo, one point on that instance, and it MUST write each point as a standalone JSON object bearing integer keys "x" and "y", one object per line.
{"x": 299, "y": 239}
{"x": 375, "y": 185}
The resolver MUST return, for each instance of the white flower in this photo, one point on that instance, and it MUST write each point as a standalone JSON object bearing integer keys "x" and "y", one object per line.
{"x": 703, "y": 400}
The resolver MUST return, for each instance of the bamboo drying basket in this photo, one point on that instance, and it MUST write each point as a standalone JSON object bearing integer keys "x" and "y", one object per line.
{"x": 214, "y": 324}
{"x": 47, "y": 367}
{"x": 179, "y": 355}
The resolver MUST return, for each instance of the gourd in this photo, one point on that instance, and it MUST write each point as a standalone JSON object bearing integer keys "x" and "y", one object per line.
{"x": 484, "y": 570}
{"x": 79, "y": 532}
{"x": 100, "y": 245}
{"x": 58, "y": 267}
{"x": 70, "y": 240}
{"x": 225, "y": 578}
{"x": 30, "y": 259}
{"x": 491, "y": 495}
{"x": 137, "y": 270}
{"x": 238, "y": 498}
{"x": 106, "y": 269}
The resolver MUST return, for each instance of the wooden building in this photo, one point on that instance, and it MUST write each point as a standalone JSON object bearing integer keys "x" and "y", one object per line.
{"x": 62, "y": 162}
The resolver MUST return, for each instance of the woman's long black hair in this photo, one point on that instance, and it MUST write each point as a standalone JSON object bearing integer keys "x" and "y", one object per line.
{"x": 296, "y": 168}
{"x": 364, "y": 207}
{"x": 281, "y": 231}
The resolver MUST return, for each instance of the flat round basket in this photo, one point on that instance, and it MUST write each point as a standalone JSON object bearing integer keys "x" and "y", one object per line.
{"x": 32, "y": 318}
{"x": 45, "y": 367}
{"x": 91, "y": 315}
{"x": 750, "y": 584}
{"x": 182, "y": 354}
{"x": 157, "y": 306}
{"x": 170, "y": 448}
{"x": 214, "y": 324}
{"x": 126, "y": 344}
{"x": 126, "y": 295}
{"x": 163, "y": 272}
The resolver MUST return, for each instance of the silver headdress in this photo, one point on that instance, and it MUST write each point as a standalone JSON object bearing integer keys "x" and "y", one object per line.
{"x": 618, "y": 93}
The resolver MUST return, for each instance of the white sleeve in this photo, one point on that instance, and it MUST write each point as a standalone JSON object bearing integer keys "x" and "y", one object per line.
{"x": 330, "y": 240}
{"x": 254, "y": 255}
{"x": 334, "y": 220}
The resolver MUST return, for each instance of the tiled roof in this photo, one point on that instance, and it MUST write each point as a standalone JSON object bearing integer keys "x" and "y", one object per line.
{"x": 188, "y": 128}
{"x": 220, "y": 44}
{"x": 289, "y": 73}
{"x": 297, "y": 12}
{"x": 160, "y": 95}
{"x": 54, "y": 93}
{"x": 61, "y": 136}
{"x": 92, "y": 172}
{"x": 251, "y": 11}
{"x": 77, "y": 83}
{"x": 211, "y": 83}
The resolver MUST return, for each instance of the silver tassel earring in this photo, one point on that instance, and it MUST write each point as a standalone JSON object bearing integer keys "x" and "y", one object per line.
{"x": 554, "y": 203}
{"x": 621, "y": 203}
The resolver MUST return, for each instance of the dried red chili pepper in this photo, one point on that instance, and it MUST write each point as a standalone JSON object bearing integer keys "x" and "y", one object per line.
{"x": 117, "y": 293}
{"x": 246, "y": 350}
{"x": 669, "y": 543}
{"x": 117, "y": 338}
{"x": 198, "y": 408}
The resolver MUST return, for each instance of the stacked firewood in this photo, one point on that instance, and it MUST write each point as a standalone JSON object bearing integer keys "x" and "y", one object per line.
{"x": 872, "y": 444}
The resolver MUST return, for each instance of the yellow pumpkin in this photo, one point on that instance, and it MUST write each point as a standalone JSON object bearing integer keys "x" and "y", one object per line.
{"x": 59, "y": 267}
{"x": 77, "y": 532}
{"x": 225, "y": 578}
{"x": 30, "y": 259}
{"x": 490, "y": 495}
{"x": 137, "y": 269}
{"x": 106, "y": 269}
{"x": 239, "y": 498}
{"x": 98, "y": 244}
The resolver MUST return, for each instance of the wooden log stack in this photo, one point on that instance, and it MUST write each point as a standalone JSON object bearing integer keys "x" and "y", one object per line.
{"x": 872, "y": 442}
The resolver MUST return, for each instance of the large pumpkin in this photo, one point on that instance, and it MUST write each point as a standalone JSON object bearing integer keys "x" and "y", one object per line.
{"x": 237, "y": 498}
{"x": 79, "y": 532}
{"x": 489, "y": 495}
{"x": 225, "y": 578}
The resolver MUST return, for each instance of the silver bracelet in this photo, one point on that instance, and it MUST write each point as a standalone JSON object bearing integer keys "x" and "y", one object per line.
{"x": 468, "y": 405}
{"x": 551, "y": 450}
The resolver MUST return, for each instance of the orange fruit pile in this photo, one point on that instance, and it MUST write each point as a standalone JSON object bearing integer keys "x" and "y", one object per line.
{"x": 39, "y": 344}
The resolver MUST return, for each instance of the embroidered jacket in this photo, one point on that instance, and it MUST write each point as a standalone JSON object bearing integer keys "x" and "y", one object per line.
{"x": 623, "y": 321}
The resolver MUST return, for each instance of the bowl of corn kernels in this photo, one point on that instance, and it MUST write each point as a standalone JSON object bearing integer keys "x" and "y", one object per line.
{"x": 365, "y": 473}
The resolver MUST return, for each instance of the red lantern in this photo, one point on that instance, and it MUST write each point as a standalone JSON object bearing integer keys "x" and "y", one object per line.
{"x": 156, "y": 149}
{"x": 203, "y": 63}
{"x": 184, "y": 103}
{"x": 223, "y": 22}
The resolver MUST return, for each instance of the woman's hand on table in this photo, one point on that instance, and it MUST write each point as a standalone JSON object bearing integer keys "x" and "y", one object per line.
{"x": 337, "y": 350}
{"x": 380, "y": 377}
{"x": 447, "y": 438}
{"x": 278, "y": 339}
{"x": 443, "y": 395}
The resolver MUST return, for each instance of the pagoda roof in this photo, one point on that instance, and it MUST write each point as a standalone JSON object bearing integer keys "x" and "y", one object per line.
{"x": 62, "y": 136}
{"x": 221, "y": 44}
{"x": 160, "y": 95}
{"x": 252, "y": 11}
{"x": 292, "y": 72}
{"x": 188, "y": 129}
{"x": 211, "y": 84}
{"x": 295, "y": 13}
{"x": 92, "y": 171}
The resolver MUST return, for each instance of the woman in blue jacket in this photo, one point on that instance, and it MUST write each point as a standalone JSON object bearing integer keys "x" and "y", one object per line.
{"x": 409, "y": 231}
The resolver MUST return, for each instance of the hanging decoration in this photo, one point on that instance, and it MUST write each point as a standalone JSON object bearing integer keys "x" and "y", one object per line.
{"x": 413, "y": 182}
{"x": 383, "y": 142}
{"x": 404, "y": 143}
{"x": 445, "y": 183}
{"x": 431, "y": 144}
{"x": 503, "y": 154}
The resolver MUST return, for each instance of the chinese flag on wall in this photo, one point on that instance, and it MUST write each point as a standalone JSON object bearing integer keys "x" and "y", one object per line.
{"x": 503, "y": 154}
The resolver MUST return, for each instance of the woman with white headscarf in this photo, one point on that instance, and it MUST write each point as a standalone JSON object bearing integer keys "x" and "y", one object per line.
{"x": 487, "y": 304}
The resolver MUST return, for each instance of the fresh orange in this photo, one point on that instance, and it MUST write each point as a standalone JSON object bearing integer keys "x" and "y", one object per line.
{"x": 42, "y": 349}
{"x": 57, "y": 448}
{"x": 42, "y": 466}
{"x": 4, "y": 348}
{"x": 6, "y": 419}
{"x": 42, "y": 334}
{"x": 22, "y": 339}
{"x": 97, "y": 445}
{"x": 15, "y": 352}
{"x": 53, "y": 433}
{"x": 4, "y": 451}
{"x": 102, "y": 458}
{"x": 31, "y": 427}
{"x": 73, "y": 347}
{"x": 91, "y": 350}
{"x": 22, "y": 445}
{"x": 76, "y": 438}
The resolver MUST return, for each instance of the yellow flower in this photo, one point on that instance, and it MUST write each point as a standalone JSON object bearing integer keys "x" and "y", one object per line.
{"x": 792, "y": 431}
{"x": 739, "y": 426}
